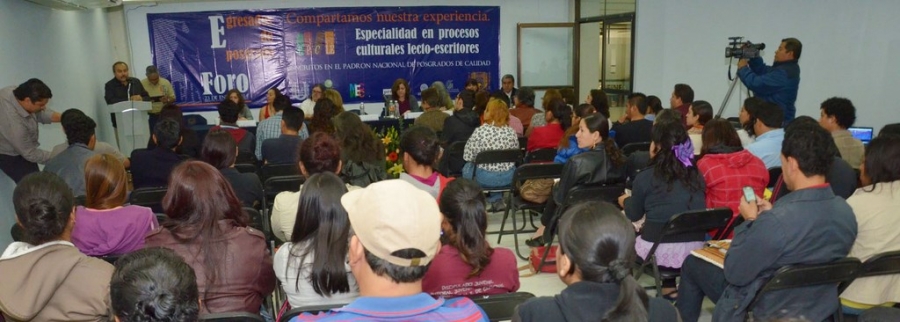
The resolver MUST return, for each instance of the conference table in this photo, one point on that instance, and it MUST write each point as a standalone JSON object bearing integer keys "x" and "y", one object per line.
{"x": 377, "y": 124}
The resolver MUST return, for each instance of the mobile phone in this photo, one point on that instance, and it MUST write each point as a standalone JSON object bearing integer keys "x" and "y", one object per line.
{"x": 749, "y": 195}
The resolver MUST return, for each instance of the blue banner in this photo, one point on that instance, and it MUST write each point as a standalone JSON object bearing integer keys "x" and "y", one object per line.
{"x": 359, "y": 52}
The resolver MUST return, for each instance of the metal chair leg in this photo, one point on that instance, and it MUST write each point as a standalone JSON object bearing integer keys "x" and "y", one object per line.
{"x": 546, "y": 252}
{"x": 656, "y": 279}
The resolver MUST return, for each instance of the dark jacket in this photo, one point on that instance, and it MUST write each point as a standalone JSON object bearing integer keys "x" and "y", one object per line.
{"x": 808, "y": 226}
{"x": 633, "y": 132}
{"x": 841, "y": 177}
{"x": 245, "y": 140}
{"x": 650, "y": 195}
{"x": 508, "y": 99}
{"x": 457, "y": 128}
{"x": 115, "y": 91}
{"x": 361, "y": 174}
{"x": 588, "y": 168}
{"x": 777, "y": 84}
{"x": 246, "y": 186}
{"x": 245, "y": 279}
{"x": 281, "y": 150}
{"x": 151, "y": 168}
{"x": 190, "y": 144}
{"x": 586, "y": 301}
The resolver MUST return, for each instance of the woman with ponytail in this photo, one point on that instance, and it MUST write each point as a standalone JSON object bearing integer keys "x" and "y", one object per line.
{"x": 467, "y": 265}
{"x": 44, "y": 277}
{"x": 603, "y": 163}
{"x": 594, "y": 258}
{"x": 420, "y": 150}
{"x": 669, "y": 186}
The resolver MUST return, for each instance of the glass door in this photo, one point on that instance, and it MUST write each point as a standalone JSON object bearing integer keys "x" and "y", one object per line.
{"x": 617, "y": 47}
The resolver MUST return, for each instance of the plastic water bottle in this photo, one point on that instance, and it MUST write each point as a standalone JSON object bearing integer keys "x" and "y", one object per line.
{"x": 362, "y": 108}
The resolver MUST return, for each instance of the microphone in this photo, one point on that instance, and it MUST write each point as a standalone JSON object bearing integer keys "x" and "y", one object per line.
{"x": 129, "y": 88}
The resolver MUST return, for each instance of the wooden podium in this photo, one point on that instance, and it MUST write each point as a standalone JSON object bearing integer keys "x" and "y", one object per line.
{"x": 133, "y": 123}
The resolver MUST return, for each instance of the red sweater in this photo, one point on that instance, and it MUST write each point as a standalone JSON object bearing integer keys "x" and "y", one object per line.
{"x": 727, "y": 174}
{"x": 546, "y": 136}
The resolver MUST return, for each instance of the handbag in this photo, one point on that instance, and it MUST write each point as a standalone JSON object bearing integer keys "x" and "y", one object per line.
{"x": 536, "y": 190}
{"x": 534, "y": 259}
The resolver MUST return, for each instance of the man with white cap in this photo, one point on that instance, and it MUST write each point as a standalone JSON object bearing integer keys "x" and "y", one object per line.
{"x": 391, "y": 245}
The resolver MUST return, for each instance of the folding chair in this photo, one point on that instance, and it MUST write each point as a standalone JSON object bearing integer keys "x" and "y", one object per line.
{"x": 245, "y": 167}
{"x": 258, "y": 221}
{"x": 148, "y": 197}
{"x": 609, "y": 193}
{"x": 311, "y": 309}
{"x": 540, "y": 156}
{"x": 630, "y": 148}
{"x": 501, "y": 307}
{"x": 523, "y": 143}
{"x": 271, "y": 188}
{"x": 515, "y": 202}
{"x": 496, "y": 156}
{"x": 194, "y": 119}
{"x": 278, "y": 170}
{"x": 774, "y": 173}
{"x": 694, "y": 221}
{"x": 887, "y": 263}
{"x": 452, "y": 156}
{"x": 797, "y": 276}
{"x": 232, "y": 317}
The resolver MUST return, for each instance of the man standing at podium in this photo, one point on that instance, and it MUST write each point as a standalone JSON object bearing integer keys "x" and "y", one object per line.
{"x": 123, "y": 88}
{"x": 21, "y": 108}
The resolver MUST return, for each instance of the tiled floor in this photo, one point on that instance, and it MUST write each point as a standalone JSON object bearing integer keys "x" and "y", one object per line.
{"x": 546, "y": 284}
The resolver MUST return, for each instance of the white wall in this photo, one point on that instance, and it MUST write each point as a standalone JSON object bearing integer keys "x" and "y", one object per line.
{"x": 512, "y": 12}
{"x": 69, "y": 51}
{"x": 850, "y": 49}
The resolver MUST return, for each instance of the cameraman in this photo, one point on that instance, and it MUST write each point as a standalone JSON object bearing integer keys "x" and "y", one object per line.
{"x": 779, "y": 83}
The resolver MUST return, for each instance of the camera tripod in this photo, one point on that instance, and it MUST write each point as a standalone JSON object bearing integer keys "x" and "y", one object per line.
{"x": 727, "y": 96}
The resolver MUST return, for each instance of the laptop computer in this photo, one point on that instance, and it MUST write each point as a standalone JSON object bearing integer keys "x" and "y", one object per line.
{"x": 863, "y": 134}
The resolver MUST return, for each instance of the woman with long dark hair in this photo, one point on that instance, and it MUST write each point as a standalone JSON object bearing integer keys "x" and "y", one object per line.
{"x": 559, "y": 119}
{"x": 220, "y": 151}
{"x": 207, "y": 227}
{"x": 568, "y": 144}
{"x": 406, "y": 100}
{"x": 598, "y": 99}
{"x": 324, "y": 111}
{"x": 466, "y": 259}
{"x": 269, "y": 109}
{"x": 106, "y": 226}
{"x": 669, "y": 186}
{"x": 420, "y": 150}
{"x": 235, "y": 96}
{"x": 594, "y": 259}
{"x": 154, "y": 284}
{"x": 362, "y": 154}
{"x": 312, "y": 267}
{"x": 45, "y": 278}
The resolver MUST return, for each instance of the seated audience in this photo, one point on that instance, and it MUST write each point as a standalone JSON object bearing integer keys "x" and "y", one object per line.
{"x": 568, "y": 96}
{"x": 190, "y": 144}
{"x": 320, "y": 153}
{"x": 769, "y": 134}
{"x": 235, "y": 96}
{"x": 808, "y": 226}
{"x": 682, "y": 97}
{"x": 875, "y": 207}
{"x": 446, "y": 103}
{"x": 466, "y": 264}
{"x": 598, "y": 99}
{"x": 494, "y": 134}
{"x": 154, "y": 285}
{"x": 207, "y": 227}
{"x": 69, "y": 164}
{"x": 420, "y": 150}
{"x": 481, "y": 100}
{"x": 151, "y": 167}
{"x": 559, "y": 119}
{"x": 699, "y": 113}
{"x": 220, "y": 151}
{"x": 602, "y": 163}
{"x": 315, "y": 94}
{"x": 270, "y": 128}
{"x": 406, "y": 100}
{"x": 433, "y": 117}
{"x": 841, "y": 177}
{"x": 228, "y": 114}
{"x": 323, "y": 112}
{"x": 890, "y": 129}
{"x": 538, "y": 119}
{"x": 312, "y": 265}
{"x": 747, "y": 118}
{"x": 362, "y": 154}
{"x": 99, "y": 146}
{"x": 106, "y": 226}
{"x": 283, "y": 149}
{"x": 45, "y": 278}
{"x": 389, "y": 271}
{"x": 336, "y": 100}
{"x": 633, "y": 127}
{"x": 727, "y": 168}
{"x": 524, "y": 106}
{"x": 654, "y": 106}
{"x": 595, "y": 259}
{"x": 837, "y": 115}
{"x": 458, "y": 128}
{"x": 669, "y": 186}
{"x": 568, "y": 144}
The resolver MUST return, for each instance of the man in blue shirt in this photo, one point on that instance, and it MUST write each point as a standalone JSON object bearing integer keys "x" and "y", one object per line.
{"x": 769, "y": 134}
{"x": 777, "y": 83}
{"x": 270, "y": 128}
{"x": 284, "y": 149}
{"x": 391, "y": 246}
{"x": 69, "y": 164}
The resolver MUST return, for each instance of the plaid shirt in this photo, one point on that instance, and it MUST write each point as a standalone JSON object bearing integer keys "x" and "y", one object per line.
{"x": 270, "y": 128}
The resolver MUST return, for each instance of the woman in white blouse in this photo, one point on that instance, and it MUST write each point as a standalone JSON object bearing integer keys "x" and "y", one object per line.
{"x": 493, "y": 134}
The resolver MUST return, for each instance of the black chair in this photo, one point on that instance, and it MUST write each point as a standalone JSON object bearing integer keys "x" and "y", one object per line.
{"x": 887, "y": 263}
{"x": 515, "y": 202}
{"x": 275, "y": 185}
{"x": 160, "y": 218}
{"x": 630, "y": 148}
{"x": 454, "y": 152}
{"x": 148, "y": 197}
{"x": 245, "y": 158}
{"x": 496, "y": 156}
{"x": 278, "y": 170}
{"x": 194, "y": 119}
{"x": 80, "y": 200}
{"x": 540, "y": 156}
{"x": 259, "y": 222}
{"x": 695, "y": 221}
{"x": 723, "y": 234}
{"x": 109, "y": 258}
{"x": 245, "y": 167}
{"x": 311, "y": 309}
{"x": 774, "y": 173}
{"x": 501, "y": 307}
{"x": 232, "y": 317}
{"x": 609, "y": 193}
{"x": 796, "y": 276}
{"x": 523, "y": 143}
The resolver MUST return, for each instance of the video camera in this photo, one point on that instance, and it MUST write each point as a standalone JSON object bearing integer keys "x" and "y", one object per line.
{"x": 740, "y": 49}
